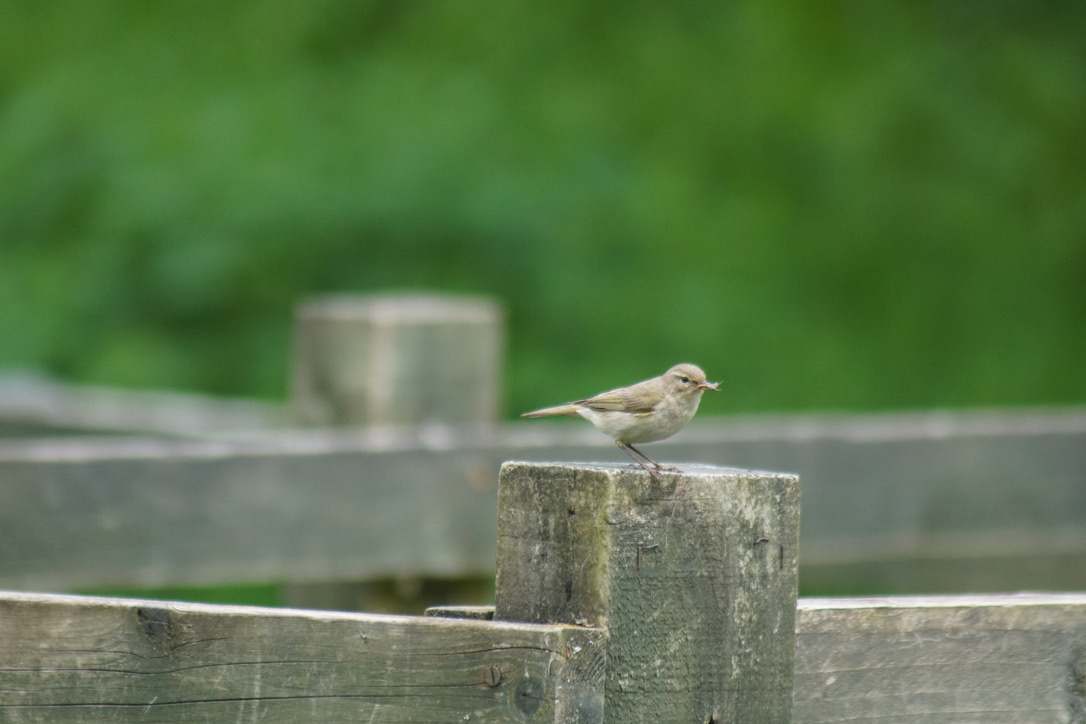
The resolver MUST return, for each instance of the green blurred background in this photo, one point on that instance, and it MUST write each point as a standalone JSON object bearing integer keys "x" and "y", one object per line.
{"x": 837, "y": 205}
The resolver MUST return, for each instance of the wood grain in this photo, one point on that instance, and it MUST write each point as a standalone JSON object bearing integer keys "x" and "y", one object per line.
{"x": 79, "y": 659}
{"x": 694, "y": 576}
{"x": 1018, "y": 659}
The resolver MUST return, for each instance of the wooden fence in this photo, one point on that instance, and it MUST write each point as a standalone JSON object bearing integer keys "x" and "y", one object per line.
{"x": 618, "y": 598}
{"x": 922, "y": 503}
{"x": 614, "y": 598}
{"x": 400, "y": 396}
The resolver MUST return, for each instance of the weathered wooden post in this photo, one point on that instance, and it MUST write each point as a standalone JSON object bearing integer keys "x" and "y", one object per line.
{"x": 693, "y": 576}
{"x": 402, "y": 360}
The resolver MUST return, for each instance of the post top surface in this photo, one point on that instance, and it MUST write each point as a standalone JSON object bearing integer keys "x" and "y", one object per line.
{"x": 970, "y": 601}
{"x": 686, "y": 469}
{"x": 402, "y": 307}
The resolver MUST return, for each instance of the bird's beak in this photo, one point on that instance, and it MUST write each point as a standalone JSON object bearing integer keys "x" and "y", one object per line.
{"x": 709, "y": 385}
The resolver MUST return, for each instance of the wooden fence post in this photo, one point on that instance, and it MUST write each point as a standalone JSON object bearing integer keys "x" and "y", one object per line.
{"x": 403, "y": 361}
{"x": 694, "y": 577}
{"x": 400, "y": 360}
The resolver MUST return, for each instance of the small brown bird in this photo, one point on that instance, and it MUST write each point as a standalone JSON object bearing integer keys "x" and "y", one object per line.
{"x": 649, "y": 411}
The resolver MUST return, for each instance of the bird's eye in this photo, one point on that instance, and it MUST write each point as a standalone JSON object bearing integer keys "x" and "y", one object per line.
{"x": 685, "y": 380}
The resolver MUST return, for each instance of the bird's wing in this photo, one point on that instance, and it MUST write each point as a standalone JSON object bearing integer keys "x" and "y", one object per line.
{"x": 636, "y": 399}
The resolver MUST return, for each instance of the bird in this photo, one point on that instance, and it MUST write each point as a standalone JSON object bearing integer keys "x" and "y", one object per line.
{"x": 648, "y": 411}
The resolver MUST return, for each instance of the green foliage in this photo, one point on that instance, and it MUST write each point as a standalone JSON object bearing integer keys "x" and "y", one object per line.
{"x": 831, "y": 205}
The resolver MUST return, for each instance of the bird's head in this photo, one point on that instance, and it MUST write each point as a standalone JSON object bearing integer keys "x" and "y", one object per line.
{"x": 688, "y": 379}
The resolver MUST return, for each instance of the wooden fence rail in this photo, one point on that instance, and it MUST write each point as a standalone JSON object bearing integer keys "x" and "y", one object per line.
{"x": 82, "y": 659}
{"x": 1008, "y": 659}
{"x": 931, "y": 502}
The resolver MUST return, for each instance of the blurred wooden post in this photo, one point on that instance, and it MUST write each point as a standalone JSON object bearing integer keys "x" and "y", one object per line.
{"x": 694, "y": 578}
{"x": 402, "y": 361}
{"x": 399, "y": 360}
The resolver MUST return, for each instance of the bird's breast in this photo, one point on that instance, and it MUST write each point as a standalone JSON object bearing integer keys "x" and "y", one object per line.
{"x": 632, "y": 428}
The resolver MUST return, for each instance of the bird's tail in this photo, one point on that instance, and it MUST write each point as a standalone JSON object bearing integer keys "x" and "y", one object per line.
{"x": 566, "y": 410}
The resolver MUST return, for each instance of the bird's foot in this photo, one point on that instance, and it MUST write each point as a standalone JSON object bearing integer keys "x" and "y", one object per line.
{"x": 654, "y": 472}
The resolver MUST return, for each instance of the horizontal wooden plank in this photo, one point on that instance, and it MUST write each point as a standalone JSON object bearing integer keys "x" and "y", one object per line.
{"x": 975, "y": 659}
{"x": 303, "y": 507}
{"x": 34, "y": 404}
{"x": 942, "y": 660}
{"x": 923, "y": 502}
{"x": 78, "y": 659}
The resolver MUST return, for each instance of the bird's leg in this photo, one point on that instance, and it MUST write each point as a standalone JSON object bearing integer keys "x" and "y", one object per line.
{"x": 630, "y": 450}
{"x": 658, "y": 465}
